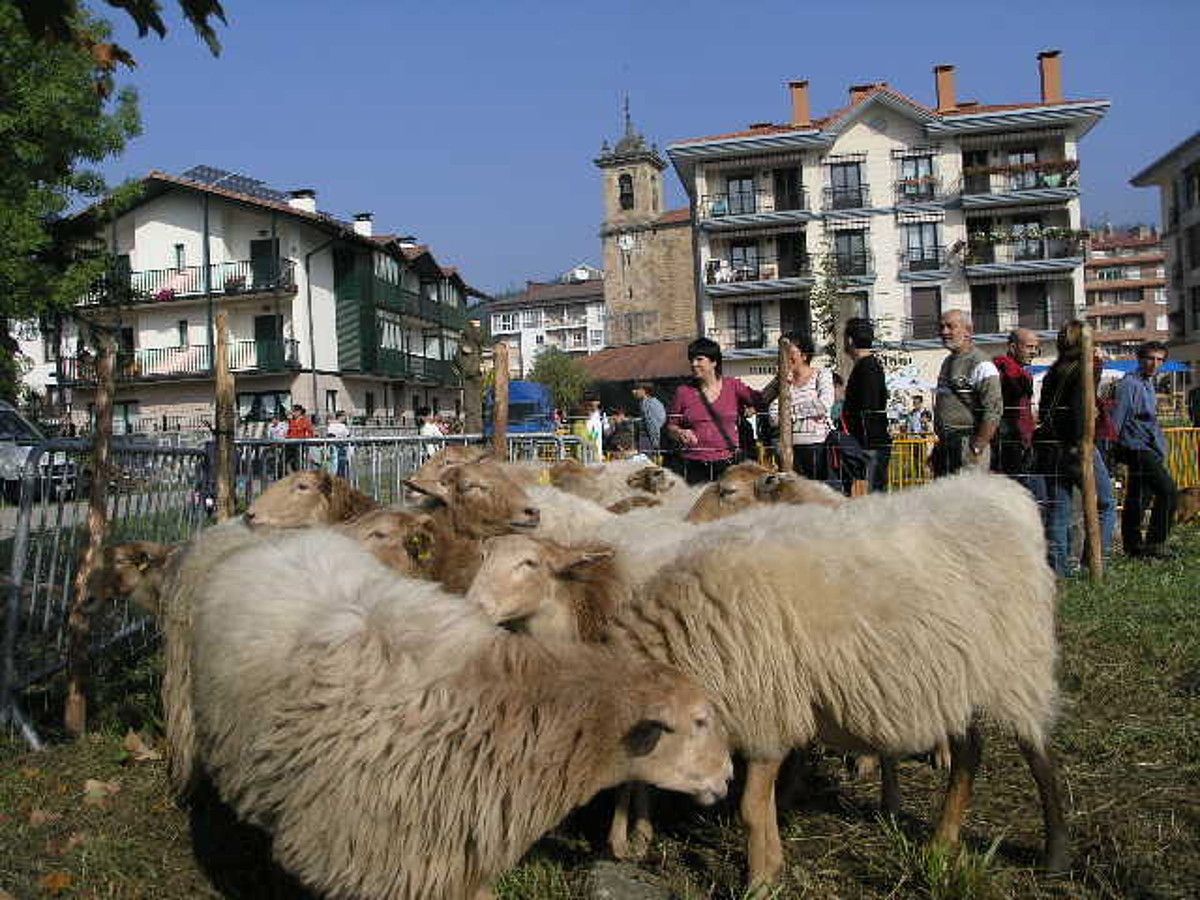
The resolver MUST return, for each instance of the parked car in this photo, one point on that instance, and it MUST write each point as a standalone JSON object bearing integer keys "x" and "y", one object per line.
{"x": 57, "y": 472}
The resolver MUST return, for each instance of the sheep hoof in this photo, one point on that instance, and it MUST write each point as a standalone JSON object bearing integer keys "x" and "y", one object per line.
{"x": 941, "y": 756}
{"x": 640, "y": 840}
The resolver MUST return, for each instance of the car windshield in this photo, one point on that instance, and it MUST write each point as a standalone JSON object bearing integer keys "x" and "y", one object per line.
{"x": 14, "y": 428}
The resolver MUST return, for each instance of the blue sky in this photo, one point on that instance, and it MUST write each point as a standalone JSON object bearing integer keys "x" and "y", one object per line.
{"x": 473, "y": 125}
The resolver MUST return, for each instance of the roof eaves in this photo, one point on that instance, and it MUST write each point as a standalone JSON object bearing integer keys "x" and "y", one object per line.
{"x": 1145, "y": 178}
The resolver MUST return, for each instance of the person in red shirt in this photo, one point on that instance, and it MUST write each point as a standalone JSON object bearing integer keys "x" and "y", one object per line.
{"x": 299, "y": 426}
{"x": 1014, "y": 438}
{"x": 704, "y": 415}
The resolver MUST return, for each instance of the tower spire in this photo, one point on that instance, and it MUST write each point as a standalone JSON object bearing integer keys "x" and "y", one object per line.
{"x": 628, "y": 119}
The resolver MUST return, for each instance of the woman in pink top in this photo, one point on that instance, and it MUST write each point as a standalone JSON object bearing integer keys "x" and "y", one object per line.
{"x": 708, "y": 445}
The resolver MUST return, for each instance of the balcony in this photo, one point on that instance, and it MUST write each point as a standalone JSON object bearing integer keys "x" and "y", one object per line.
{"x": 567, "y": 320}
{"x": 920, "y": 328}
{"x": 847, "y": 197}
{"x": 854, "y": 263}
{"x": 922, "y": 189}
{"x": 749, "y": 337}
{"x": 239, "y": 277}
{"x": 1056, "y": 179}
{"x": 1022, "y": 251}
{"x": 150, "y": 364}
{"x": 764, "y": 268}
{"x": 396, "y": 363}
{"x": 407, "y": 301}
{"x": 743, "y": 203}
{"x": 923, "y": 259}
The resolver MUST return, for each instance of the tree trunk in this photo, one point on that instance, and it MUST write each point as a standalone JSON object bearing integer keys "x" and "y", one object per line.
{"x": 500, "y": 408}
{"x": 225, "y": 422}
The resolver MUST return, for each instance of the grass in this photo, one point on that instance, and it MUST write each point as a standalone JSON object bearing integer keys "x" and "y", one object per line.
{"x": 1128, "y": 744}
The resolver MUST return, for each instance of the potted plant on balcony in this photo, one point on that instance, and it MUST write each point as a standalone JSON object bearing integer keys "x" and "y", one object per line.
{"x": 165, "y": 294}
{"x": 235, "y": 284}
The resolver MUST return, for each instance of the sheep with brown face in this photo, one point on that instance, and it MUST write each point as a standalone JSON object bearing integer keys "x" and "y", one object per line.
{"x": 403, "y": 540}
{"x": 395, "y": 743}
{"x": 448, "y": 457}
{"x": 731, "y": 493}
{"x": 790, "y": 487}
{"x": 134, "y": 570}
{"x": 309, "y": 497}
{"x": 469, "y": 503}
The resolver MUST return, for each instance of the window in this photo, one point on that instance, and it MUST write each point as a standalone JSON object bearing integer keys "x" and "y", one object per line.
{"x": 741, "y": 194}
{"x": 746, "y": 321}
{"x": 596, "y": 337}
{"x": 625, "y": 191}
{"x": 331, "y": 403}
{"x": 976, "y": 179}
{"x": 743, "y": 260}
{"x": 926, "y": 306}
{"x": 1192, "y": 240}
{"x": 916, "y": 178}
{"x": 369, "y": 403}
{"x": 850, "y": 252}
{"x": 1159, "y": 295}
{"x": 1023, "y": 156}
{"x": 539, "y": 339}
{"x": 846, "y": 190}
{"x": 856, "y": 305}
{"x": 1111, "y": 273}
{"x": 1031, "y": 306}
{"x": 922, "y": 248}
{"x": 1191, "y": 186}
{"x": 504, "y": 322}
{"x": 1029, "y": 248}
{"x": 531, "y": 318}
{"x": 259, "y": 406}
{"x": 180, "y": 256}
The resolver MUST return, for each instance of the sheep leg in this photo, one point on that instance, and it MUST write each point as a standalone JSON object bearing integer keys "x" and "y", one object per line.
{"x": 764, "y": 848}
{"x": 625, "y": 843}
{"x": 643, "y": 828}
{"x": 890, "y": 785}
{"x": 1042, "y": 767}
{"x": 618, "y": 831}
{"x": 965, "y": 751}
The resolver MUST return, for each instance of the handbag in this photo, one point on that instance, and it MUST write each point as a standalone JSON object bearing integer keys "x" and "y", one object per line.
{"x": 735, "y": 451}
{"x": 846, "y": 455}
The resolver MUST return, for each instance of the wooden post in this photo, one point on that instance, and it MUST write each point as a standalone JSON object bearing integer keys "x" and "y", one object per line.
{"x": 225, "y": 422}
{"x": 500, "y": 407}
{"x": 470, "y": 351}
{"x": 79, "y": 620}
{"x": 783, "y": 373}
{"x": 1091, "y": 518}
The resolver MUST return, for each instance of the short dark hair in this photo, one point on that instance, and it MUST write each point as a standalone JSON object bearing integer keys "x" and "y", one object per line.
{"x": 647, "y": 386}
{"x": 707, "y": 348}
{"x": 802, "y": 342}
{"x": 860, "y": 333}
{"x": 1149, "y": 347}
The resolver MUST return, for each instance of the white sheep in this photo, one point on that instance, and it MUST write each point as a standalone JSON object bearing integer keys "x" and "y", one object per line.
{"x": 881, "y": 625}
{"x": 398, "y": 745}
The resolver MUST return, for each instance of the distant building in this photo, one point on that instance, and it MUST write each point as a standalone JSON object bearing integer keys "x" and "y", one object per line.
{"x": 567, "y": 314}
{"x": 322, "y": 311}
{"x": 1177, "y": 175}
{"x": 649, "y": 284}
{"x": 1125, "y": 288}
{"x": 904, "y": 209}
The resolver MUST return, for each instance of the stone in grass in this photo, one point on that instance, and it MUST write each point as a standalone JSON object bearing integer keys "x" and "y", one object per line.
{"x": 620, "y": 881}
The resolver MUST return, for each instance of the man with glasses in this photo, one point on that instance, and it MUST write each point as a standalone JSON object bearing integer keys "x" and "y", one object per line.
{"x": 1142, "y": 446}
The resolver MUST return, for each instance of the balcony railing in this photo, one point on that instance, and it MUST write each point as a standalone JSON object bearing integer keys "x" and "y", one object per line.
{"x": 1054, "y": 173}
{"x": 1023, "y": 251}
{"x": 764, "y": 268}
{"x": 922, "y": 259}
{"x": 748, "y": 337}
{"x": 856, "y": 262}
{"x": 920, "y": 328}
{"x": 173, "y": 362}
{"x": 847, "y": 197}
{"x": 739, "y": 203}
{"x": 245, "y": 276}
{"x": 922, "y": 189}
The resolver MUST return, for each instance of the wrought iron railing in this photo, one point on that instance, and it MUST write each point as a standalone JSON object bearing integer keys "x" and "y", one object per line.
{"x": 921, "y": 189}
{"x": 737, "y": 203}
{"x": 920, "y": 328}
{"x": 244, "y": 276}
{"x": 847, "y": 197}
{"x": 172, "y": 362}
{"x": 922, "y": 259}
{"x": 763, "y": 268}
{"x": 855, "y": 262}
{"x": 1052, "y": 173}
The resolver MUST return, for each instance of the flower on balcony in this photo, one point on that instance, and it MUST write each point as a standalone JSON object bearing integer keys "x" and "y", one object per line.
{"x": 1063, "y": 166}
{"x": 165, "y": 294}
{"x": 1010, "y": 236}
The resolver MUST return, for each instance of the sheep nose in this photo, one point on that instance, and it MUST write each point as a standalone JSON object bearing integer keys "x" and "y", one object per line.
{"x": 248, "y": 518}
{"x": 533, "y": 514}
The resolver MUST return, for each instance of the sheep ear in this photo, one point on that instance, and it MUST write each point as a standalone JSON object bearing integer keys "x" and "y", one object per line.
{"x": 643, "y": 737}
{"x": 435, "y": 489}
{"x": 573, "y": 559}
{"x": 325, "y": 483}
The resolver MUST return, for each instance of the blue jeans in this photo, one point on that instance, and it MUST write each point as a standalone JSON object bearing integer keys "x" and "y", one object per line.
{"x": 1059, "y": 492}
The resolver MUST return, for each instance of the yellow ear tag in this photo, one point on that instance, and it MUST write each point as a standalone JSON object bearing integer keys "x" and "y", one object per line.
{"x": 544, "y": 476}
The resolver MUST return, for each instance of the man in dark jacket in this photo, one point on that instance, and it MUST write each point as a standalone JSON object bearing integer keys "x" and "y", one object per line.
{"x": 864, "y": 411}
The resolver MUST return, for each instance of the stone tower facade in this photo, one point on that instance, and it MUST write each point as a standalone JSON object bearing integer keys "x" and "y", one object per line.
{"x": 649, "y": 284}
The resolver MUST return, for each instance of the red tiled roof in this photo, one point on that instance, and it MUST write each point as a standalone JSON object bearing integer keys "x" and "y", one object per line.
{"x": 882, "y": 88}
{"x": 638, "y": 362}
{"x": 672, "y": 216}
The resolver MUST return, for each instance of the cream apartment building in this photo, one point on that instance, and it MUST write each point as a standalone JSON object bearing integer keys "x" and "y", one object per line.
{"x": 322, "y": 311}
{"x": 1177, "y": 175}
{"x": 905, "y": 209}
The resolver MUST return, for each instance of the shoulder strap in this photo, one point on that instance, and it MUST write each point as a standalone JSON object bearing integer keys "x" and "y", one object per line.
{"x": 712, "y": 414}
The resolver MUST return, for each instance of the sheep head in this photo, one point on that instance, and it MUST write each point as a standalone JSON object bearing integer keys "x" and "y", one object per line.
{"x": 446, "y": 458}
{"x": 308, "y": 498}
{"x": 676, "y": 742}
{"x": 651, "y": 479}
{"x": 400, "y": 539}
{"x": 732, "y": 493}
{"x": 788, "y": 487}
{"x": 551, "y": 591}
{"x": 481, "y": 500}
{"x": 133, "y": 569}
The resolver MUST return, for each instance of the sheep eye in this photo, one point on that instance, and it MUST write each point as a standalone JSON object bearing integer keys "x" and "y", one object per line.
{"x": 701, "y": 724}
{"x": 529, "y": 564}
{"x": 378, "y": 535}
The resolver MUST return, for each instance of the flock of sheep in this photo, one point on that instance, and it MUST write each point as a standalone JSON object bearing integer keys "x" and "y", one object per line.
{"x": 406, "y": 699}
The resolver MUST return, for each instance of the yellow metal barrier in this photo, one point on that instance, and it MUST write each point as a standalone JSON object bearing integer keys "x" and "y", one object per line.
{"x": 1183, "y": 455}
{"x": 909, "y": 465}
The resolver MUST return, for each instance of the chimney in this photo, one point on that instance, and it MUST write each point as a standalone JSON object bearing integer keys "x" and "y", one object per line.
{"x": 801, "y": 109}
{"x": 947, "y": 99}
{"x": 1051, "y": 70}
{"x": 363, "y": 223}
{"x": 304, "y": 198}
{"x": 859, "y": 92}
